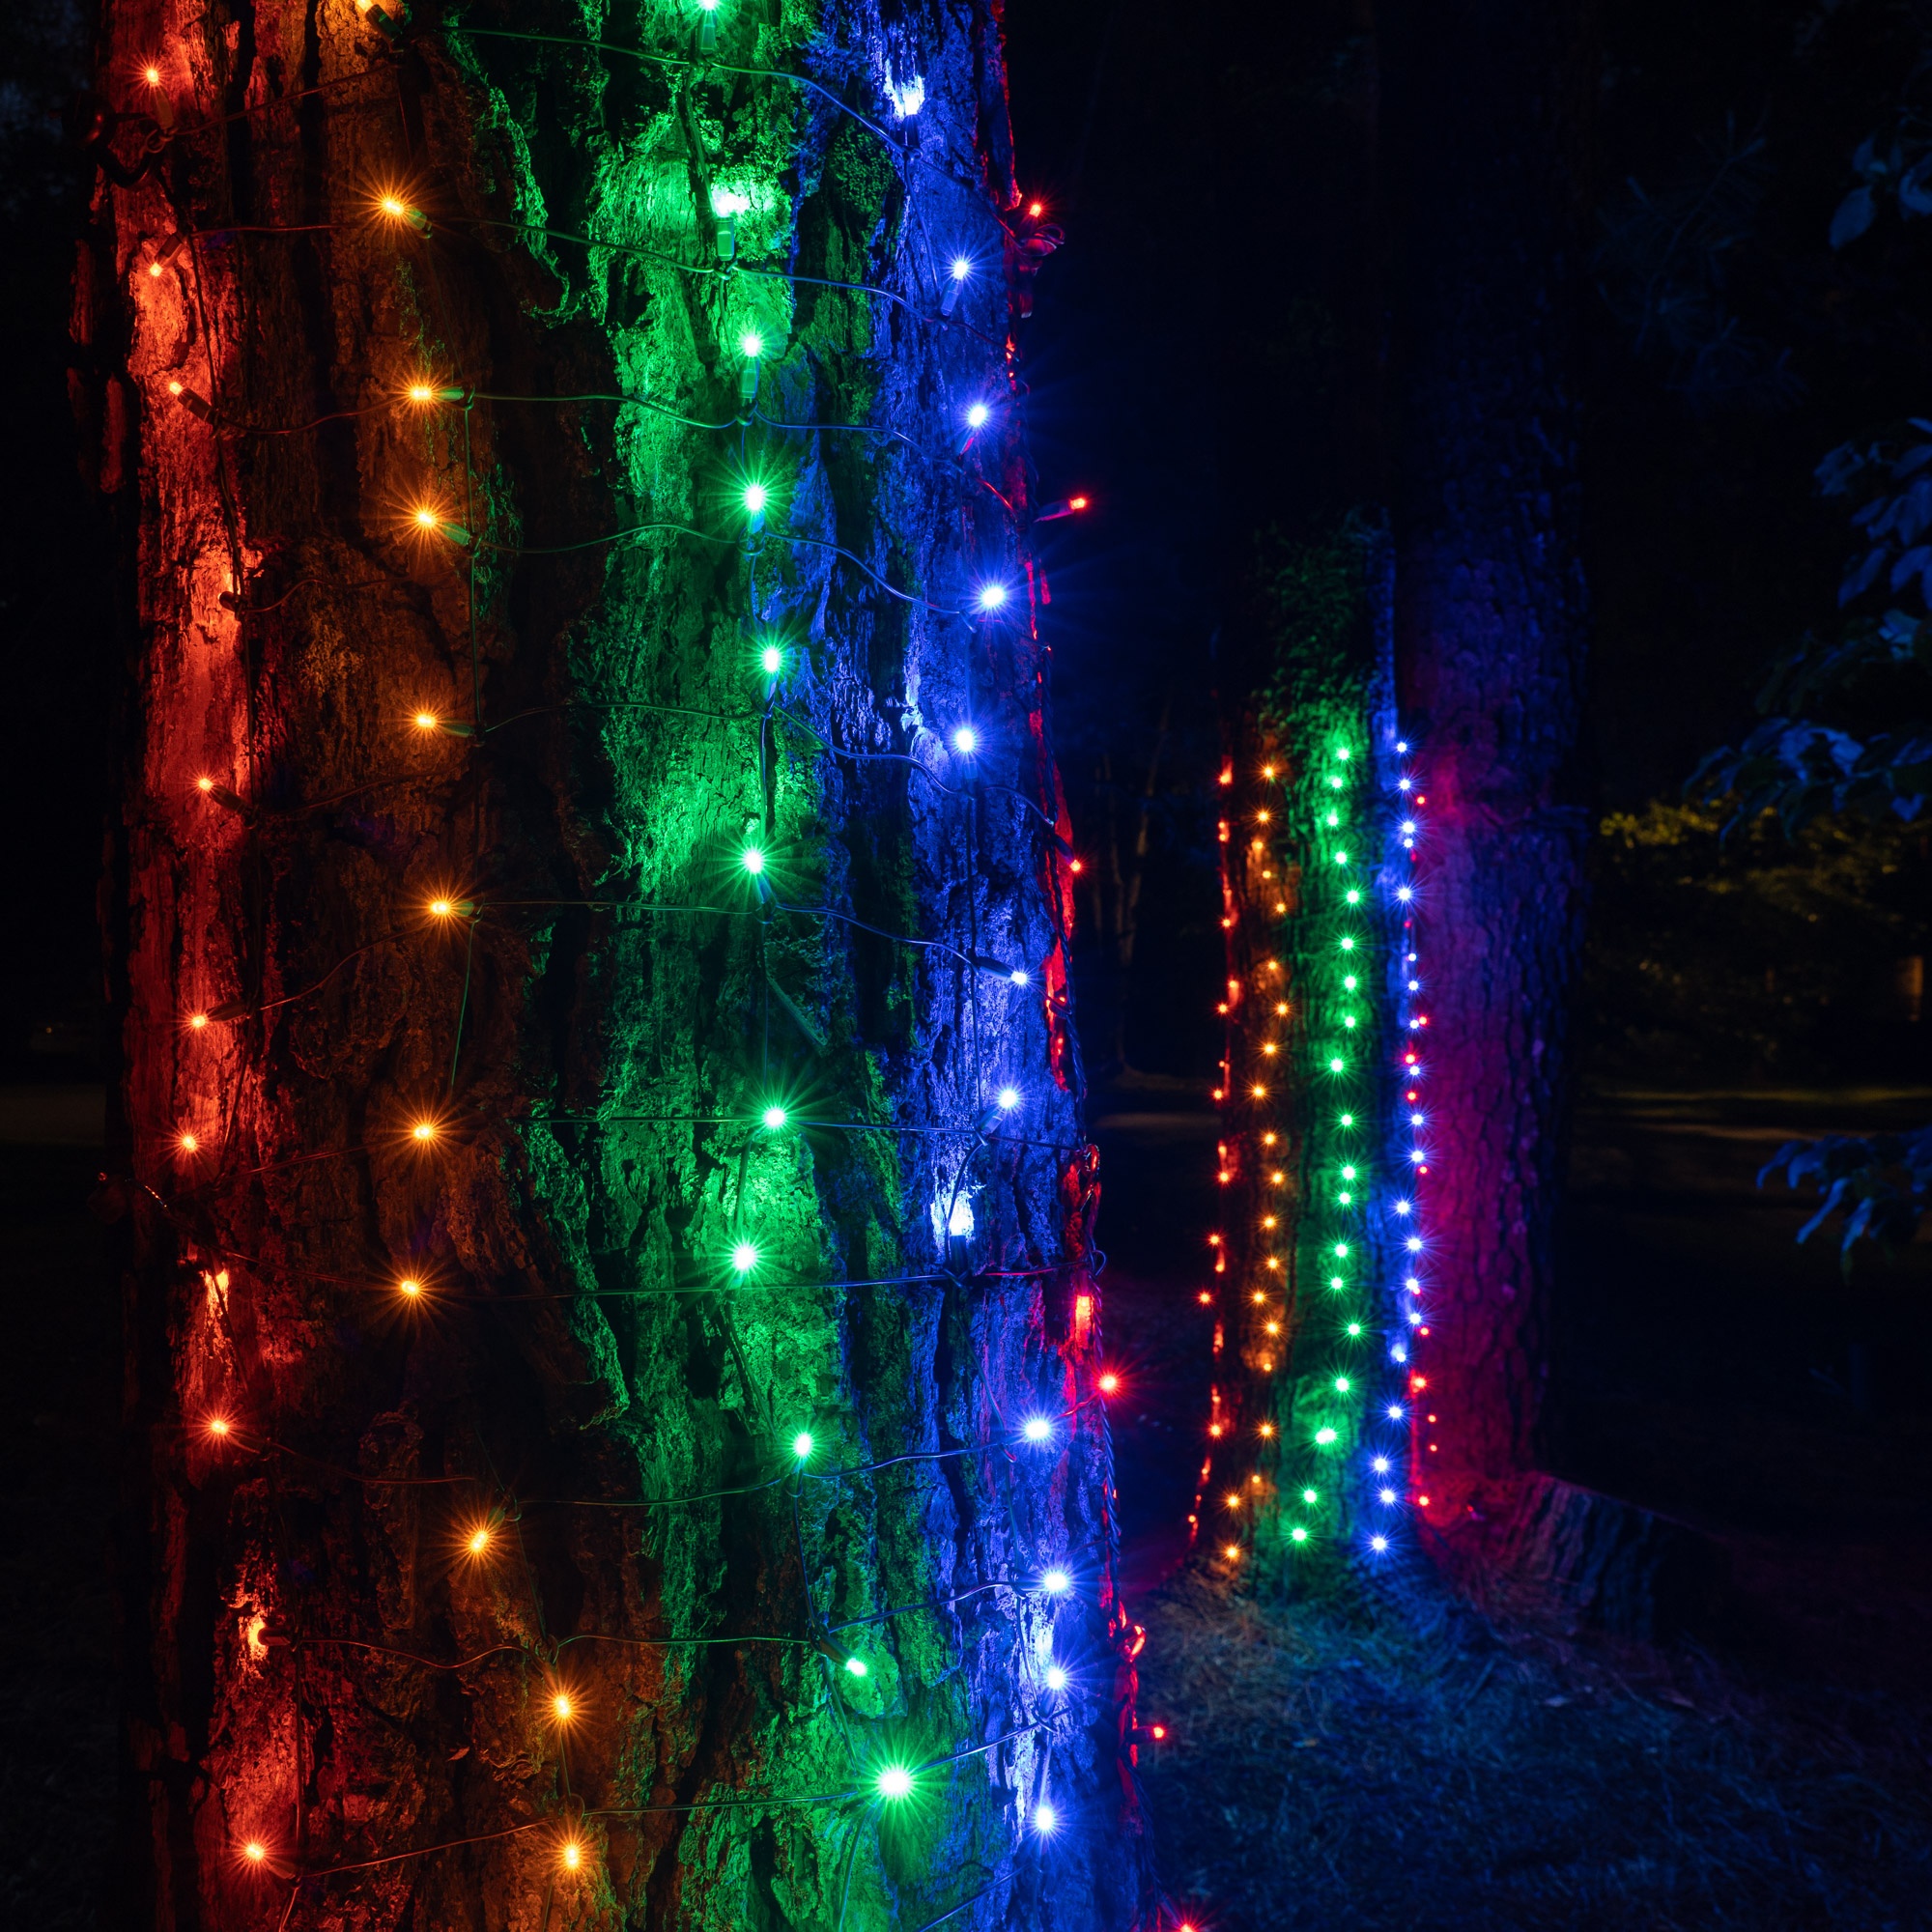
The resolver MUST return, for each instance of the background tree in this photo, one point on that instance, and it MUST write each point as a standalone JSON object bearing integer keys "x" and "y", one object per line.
{"x": 612, "y": 1432}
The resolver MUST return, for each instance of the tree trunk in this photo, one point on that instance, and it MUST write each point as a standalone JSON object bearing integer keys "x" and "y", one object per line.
{"x": 474, "y": 1294}
{"x": 1487, "y": 101}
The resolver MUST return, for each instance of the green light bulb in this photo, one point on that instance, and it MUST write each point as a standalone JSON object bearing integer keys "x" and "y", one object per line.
{"x": 1297, "y": 1535}
{"x": 754, "y": 498}
{"x": 855, "y": 1665}
{"x": 1308, "y": 1496}
{"x": 775, "y": 1117}
{"x": 801, "y": 1445}
{"x": 773, "y": 660}
{"x": 753, "y": 858}
{"x": 895, "y": 1782}
{"x": 1347, "y": 1174}
{"x": 1342, "y": 1384}
{"x": 751, "y": 345}
{"x": 1348, "y": 1120}
{"x": 1355, "y": 1328}
{"x": 1324, "y": 1436}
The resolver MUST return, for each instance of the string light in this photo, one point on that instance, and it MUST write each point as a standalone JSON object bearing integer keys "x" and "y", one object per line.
{"x": 429, "y": 519}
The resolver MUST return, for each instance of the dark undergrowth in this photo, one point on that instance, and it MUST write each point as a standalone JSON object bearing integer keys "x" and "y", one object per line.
{"x": 1377, "y": 1761}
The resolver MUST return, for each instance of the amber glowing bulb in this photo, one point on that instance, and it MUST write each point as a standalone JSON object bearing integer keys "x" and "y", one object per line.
{"x": 203, "y": 784}
{"x": 424, "y": 1130}
{"x": 573, "y": 1855}
{"x": 155, "y": 270}
{"x": 410, "y": 1286}
{"x": 1109, "y": 1384}
{"x": 391, "y": 206}
{"x": 218, "y": 1425}
{"x": 421, "y": 393}
{"x": 197, "y": 1021}
{"x": 152, "y": 75}
{"x": 1232, "y": 1551}
{"x": 426, "y": 517}
{"x": 188, "y": 1143}
{"x": 1268, "y": 1428}
{"x": 255, "y": 1852}
{"x": 427, "y": 720}
{"x": 442, "y": 908}
{"x": 561, "y": 1708}
{"x": 478, "y": 1540}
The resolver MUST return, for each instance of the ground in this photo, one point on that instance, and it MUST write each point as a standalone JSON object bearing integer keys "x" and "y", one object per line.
{"x": 1387, "y": 1759}
{"x": 1352, "y": 1760}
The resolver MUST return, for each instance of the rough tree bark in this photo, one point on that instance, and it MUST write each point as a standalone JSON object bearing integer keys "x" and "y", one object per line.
{"x": 375, "y": 1531}
{"x": 1487, "y": 102}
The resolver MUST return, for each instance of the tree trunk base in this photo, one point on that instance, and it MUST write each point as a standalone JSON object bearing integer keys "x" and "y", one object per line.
{"x": 1545, "y": 1543}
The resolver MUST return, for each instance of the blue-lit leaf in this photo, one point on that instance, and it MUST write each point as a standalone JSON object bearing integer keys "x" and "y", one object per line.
{"x": 1856, "y": 213}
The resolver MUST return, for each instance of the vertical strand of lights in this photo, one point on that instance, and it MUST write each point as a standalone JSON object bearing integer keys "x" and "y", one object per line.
{"x": 1308, "y": 1412}
{"x": 1398, "y": 1479}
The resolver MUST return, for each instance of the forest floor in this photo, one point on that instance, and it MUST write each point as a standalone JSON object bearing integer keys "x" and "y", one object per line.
{"x": 1388, "y": 1760}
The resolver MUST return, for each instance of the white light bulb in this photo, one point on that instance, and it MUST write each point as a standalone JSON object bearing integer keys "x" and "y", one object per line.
{"x": 1056, "y": 1582}
{"x": 992, "y": 596}
{"x": 962, "y": 267}
{"x": 1038, "y": 1428}
{"x": 743, "y": 1257}
{"x": 1055, "y": 1678}
{"x": 1009, "y": 1098}
{"x": 965, "y": 739}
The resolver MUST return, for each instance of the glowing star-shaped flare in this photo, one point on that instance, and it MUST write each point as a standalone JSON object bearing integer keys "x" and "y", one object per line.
{"x": 753, "y": 858}
{"x": 424, "y": 1132}
{"x": 561, "y": 1708}
{"x": 1009, "y": 1098}
{"x": 743, "y": 1257}
{"x": 801, "y": 1445}
{"x": 572, "y": 1854}
{"x": 1045, "y": 1818}
{"x": 756, "y": 498}
{"x": 894, "y": 1783}
{"x": 773, "y": 660}
{"x": 255, "y": 1852}
{"x": 1056, "y": 1582}
{"x": 775, "y": 1117}
{"x": 427, "y": 720}
{"x": 478, "y": 1540}
{"x": 751, "y": 345}
{"x": 857, "y": 1666}
{"x": 1038, "y": 1428}
{"x": 197, "y": 1021}
{"x": 977, "y": 415}
{"x": 410, "y": 1286}
{"x": 962, "y": 267}
{"x": 966, "y": 740}
{"x": 1055, "y": 1678}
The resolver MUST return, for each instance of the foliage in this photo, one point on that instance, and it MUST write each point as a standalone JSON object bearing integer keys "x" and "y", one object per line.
{"x": 1664, "y": 264}
{"x": 1779, "y": 947}
{"x": 1878, "y": 1183}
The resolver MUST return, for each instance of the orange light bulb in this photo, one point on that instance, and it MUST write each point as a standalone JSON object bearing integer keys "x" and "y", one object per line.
{"x": 410, "y": 1286}
{"x": 427, "y": 720}
{"x": 421, "y": 393}
{"x": 424, "y": 1130}
{"x": 561, "y": 1708}
{"x": 442, "y": 908}
{"x": 203, "y": 784}
{"x": 188, "y": 1143}
{"x": 426, "y": 518}
{"x": 573, "y": 1855}
{"x": 152, "y": 75}
{"x": 218, "y": 1425}
{"x": 255, "y": 1852}
{"x": 197, "y": 1021}
{"x": 478, "y": 1540}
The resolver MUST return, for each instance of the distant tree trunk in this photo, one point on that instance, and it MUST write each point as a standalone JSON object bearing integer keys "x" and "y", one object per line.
{"x": 474, "y": 1298}
{"x": 1487, "y": 104}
